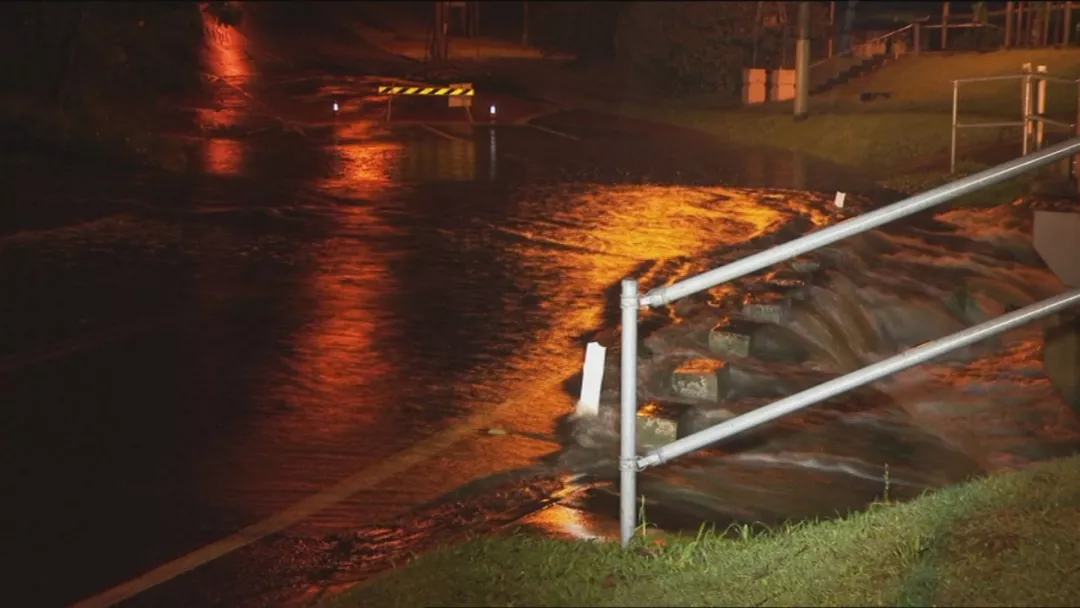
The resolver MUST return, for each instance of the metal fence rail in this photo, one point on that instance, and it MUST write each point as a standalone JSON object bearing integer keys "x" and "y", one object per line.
{"x": 631, "y": 301}
{"x": 1033, "y": 94}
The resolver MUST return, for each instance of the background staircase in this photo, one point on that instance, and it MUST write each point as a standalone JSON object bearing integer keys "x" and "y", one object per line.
{"x": 862, "y": 68}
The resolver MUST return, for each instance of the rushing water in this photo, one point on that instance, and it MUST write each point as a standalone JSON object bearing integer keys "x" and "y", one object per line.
{"x": 321, "y": 298}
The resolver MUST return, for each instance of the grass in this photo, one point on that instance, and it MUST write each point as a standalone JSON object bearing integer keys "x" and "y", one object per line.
{"x": 909, "y": 132}
{"x": 1012, "y": 540}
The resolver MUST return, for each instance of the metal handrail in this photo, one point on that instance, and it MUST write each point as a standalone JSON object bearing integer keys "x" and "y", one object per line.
{"x": 632, "y": 301}
{"x": 866, "y": 375}
{"x": 853, "y": 47}
{"x": 1033, "y": 104}
{"x": 707, "y": 280}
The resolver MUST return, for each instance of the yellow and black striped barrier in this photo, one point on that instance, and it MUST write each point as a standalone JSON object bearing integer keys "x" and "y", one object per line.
{"x": 457, "y": 95}
{"x": 438, "y": 91}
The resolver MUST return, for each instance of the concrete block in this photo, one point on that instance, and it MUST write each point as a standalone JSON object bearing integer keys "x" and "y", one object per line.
{"x": 1061, "y": 357}
{"x": 1056, "y": 235}
{"x": 755, "y": 76}
{"x": 654, "y": 432}
{"x": 805, "y": 266}
{"x": 755, "y": 86}
{"x": 695, "y": 419}
{"x": 727, "y": 343}
{"x": 701, "y": 380}
{"x": 768, "y": 312}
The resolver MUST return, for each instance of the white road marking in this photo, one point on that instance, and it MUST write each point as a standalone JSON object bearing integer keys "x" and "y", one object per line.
{"x": 442, "y": 133}
{"x": 554, "y": 132}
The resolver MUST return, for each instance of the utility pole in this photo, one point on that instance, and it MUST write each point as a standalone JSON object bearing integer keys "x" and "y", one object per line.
{"x": 802, "y": 63}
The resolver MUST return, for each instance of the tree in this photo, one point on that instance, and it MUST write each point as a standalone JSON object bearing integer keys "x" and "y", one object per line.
{"x": 702, "y": 47}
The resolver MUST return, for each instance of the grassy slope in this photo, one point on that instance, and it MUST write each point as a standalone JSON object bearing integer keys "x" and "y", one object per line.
{"x": 910, "y": 129}
{"x": 1008, "y": 540}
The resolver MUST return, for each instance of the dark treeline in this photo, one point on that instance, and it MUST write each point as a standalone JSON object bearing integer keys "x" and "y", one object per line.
{"x": 101, "y": 66}
{"x": 682, "y": 47}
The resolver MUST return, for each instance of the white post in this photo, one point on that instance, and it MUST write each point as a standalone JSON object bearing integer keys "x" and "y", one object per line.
{"x": 592, "y": 378}
{"x": 628, "y": 400}
{"x": 952, "y": 146}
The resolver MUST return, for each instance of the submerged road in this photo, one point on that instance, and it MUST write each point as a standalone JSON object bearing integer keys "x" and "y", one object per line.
{"x": 325, "y": 305}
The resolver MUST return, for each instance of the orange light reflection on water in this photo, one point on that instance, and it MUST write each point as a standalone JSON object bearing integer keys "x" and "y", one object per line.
{"x": 365, "y": 163}
{"x": 223, "y": 156}
{"x": 332, "y": 355}
{"x": 226, "y": 57}
{"x": 600, "y": 236}
{"x": 225, "y": 50}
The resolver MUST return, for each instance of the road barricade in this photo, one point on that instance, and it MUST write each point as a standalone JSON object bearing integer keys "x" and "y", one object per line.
{"x": 457, "y": 95}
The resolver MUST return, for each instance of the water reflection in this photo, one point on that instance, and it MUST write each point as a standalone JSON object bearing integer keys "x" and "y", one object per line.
{"x": 223, "y": 156}
{"x": 441, "y": 160}
{"x": 227, "y": 59}
{"x": 364, "y": 159}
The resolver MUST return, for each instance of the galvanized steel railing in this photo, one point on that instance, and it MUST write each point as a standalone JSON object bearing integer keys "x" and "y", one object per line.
{"x": 1033, "y": 119}
{"x": 631, "y": 300}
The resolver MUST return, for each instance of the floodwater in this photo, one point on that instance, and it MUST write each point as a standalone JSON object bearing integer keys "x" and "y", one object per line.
{"x": 321, "y": 297}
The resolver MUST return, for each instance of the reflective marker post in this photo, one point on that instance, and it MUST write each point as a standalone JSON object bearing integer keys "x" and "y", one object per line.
{"x": 629, "y": 303}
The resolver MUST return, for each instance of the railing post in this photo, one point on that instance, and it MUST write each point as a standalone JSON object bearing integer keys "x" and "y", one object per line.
{"x": 917, "y": 36}
{"x": 1025, "y": 91}
{"x": 1040, "y": 109}
{"x": 952, "y": 147}
{"x": 630, "y": 303}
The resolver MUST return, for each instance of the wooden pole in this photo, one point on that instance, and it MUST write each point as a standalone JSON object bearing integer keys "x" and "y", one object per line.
{"x": 1009, "y": 7}
{"x": 945, "y": 25}
{"x": 1066, "y": 29}
{"x": 1007, "y": 42}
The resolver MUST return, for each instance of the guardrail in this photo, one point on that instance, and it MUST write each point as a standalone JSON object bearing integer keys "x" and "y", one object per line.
{"x": 1033, "y": 93}
{"x": 631, "y": 301}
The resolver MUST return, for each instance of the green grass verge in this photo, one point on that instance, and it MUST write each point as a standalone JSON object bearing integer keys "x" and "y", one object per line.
{"x": 1011, "y": 540}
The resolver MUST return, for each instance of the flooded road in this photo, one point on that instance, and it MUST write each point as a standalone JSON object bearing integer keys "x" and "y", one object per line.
{"x": 324, "y": 297}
